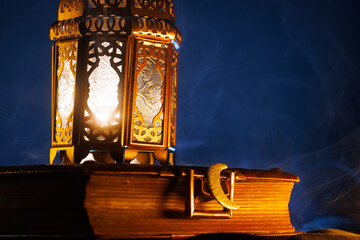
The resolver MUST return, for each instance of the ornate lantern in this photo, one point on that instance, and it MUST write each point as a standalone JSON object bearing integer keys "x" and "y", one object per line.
{"x": 114, "y": 79}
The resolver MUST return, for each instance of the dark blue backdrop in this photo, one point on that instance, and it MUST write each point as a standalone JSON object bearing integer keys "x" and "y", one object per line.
{"x": 262, "y": 84}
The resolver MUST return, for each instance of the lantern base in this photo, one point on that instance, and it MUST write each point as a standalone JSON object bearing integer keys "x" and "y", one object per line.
{"x": 121, "y": 201}
{"x": 73, "y": 155}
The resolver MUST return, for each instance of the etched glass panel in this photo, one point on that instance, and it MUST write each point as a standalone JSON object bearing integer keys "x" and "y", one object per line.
{"x": 148, "y": 115}
{"x": 148, "y": 100}
{"x": 103, "y": 95}
{"x": 66, "y": 88}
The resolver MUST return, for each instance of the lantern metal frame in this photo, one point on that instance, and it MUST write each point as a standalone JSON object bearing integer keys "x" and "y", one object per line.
{"x": 135, "y": 37}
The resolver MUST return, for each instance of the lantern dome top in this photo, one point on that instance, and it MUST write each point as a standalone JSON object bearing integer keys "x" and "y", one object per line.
{"x": 151, "y": 18}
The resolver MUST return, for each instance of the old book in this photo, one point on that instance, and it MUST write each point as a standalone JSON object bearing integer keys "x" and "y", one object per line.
{"x": 138, "y": 201}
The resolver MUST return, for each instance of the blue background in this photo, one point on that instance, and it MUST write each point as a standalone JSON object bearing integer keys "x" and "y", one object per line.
{"x": 262, "y": 84}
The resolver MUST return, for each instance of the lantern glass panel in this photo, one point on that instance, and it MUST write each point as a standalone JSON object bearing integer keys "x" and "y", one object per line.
{"x": 105, "y": 76}
{"x": 149, "y": 100}
{"x": 65, "y": 85}
{"x": 103, "y": 95}
{"x": 149, "y": 106}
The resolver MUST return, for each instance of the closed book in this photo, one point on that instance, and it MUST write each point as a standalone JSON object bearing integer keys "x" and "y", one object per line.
{"x": 141, "y": 201}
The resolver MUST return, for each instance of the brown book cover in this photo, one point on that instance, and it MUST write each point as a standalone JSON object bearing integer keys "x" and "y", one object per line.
{"x": 138, "y": 201}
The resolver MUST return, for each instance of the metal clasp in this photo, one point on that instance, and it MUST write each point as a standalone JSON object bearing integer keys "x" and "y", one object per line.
{"x": 190, "y": 200}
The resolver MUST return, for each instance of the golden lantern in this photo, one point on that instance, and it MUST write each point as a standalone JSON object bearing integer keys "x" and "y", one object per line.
{"x": 114, "y": 80}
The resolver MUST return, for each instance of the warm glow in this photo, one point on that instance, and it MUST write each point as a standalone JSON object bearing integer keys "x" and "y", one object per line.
{"x": 103, "y": 96}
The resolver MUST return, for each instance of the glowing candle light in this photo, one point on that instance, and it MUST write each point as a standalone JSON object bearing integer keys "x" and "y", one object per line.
{"x": 103, "y": 95}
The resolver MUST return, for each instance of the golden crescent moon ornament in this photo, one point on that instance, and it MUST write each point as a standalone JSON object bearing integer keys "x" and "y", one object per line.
{"x": 214, "y": 183}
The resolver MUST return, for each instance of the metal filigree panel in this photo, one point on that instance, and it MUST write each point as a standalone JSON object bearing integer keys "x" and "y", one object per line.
{"x": 107, "y": 4}
{"x": 154, "y": 28}
{"x": 173, "y": 93}
{"x": 70, "y": 9}
{"x": 65, "y": 29}
{"x": 65, "y": 91}
{"x": 102, "y": 115}
{"x": 154, "y": 5}
{"x": 149, "y": 90}
{"x": 172, "y": 10}
{"x": 105, "y": 25}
